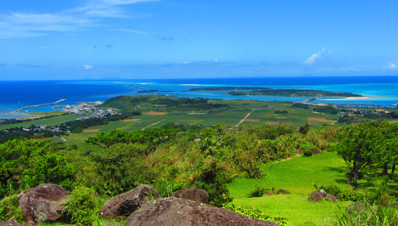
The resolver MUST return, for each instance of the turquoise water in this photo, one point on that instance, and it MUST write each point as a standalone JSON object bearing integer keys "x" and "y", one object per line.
{"x": 380, "y": 90}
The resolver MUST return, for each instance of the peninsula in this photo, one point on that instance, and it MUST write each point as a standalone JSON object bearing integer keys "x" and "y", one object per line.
{"x": 256, "y": 91}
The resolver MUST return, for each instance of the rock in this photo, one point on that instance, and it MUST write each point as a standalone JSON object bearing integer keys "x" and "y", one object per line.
{"x": 283, "y": 192}
{"x": 10, "y": 222}
{"x": 316, "y": 196}
{"x": 194, "y": 194}
{"x": 126, "y": 203}
{"x": 300, "y": 151}
{"x": 330, "y": 197}
{"x": 316, "y": 151}
{"x": 43, "y": 203}
{"x": 175, "y": 211}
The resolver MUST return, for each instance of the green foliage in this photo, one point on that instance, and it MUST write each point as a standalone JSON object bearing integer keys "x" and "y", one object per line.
{"x": 344, "y": 194}
{"x": 80, "y": 208}
{"x": 365, "y": 215}
{"x": 9, "y": 208}
{"x": 300, "y": 105}
{"x": 257, "y": 214}
{"x": 28, "y": 163}
{"x": 213, "y": 180}
{"x": 165, "y": 188}
{"x": 307, "y": 152}
{"x": 257, "y": 192}
{"x": 114, "y": 170}
{"x": 326, "y": 109}
{"x": 305, "y": 129}
{"x": 281, "y": 112}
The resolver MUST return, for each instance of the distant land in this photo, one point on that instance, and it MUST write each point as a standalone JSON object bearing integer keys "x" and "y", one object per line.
{"x": 257, "y": 91}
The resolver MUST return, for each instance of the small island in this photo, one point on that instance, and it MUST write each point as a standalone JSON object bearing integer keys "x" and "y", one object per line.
{"x": 256, "y": 91}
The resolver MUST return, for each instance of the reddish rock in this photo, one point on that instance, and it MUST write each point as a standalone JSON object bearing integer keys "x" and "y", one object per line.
{"x": 43, "y": 203}
{"x": 331, "y": 198}
{"x": 10, "y": 222}
{"x": 175, "y": 211}
{"x": 268, "y": 193}
{"x": 283, "y": 192}
{"x": 316, "y": 151}
{"x": 194, "y": 194}
{"x": 127, "y": 203}
{"x": 316, "y": 196}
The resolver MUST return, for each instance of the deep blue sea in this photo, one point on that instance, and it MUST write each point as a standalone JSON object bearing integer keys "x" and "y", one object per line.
{"x": 381, "y": 90}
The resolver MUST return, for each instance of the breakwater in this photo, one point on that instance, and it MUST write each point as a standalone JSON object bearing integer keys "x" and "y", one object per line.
{"x": 32, "y": 106}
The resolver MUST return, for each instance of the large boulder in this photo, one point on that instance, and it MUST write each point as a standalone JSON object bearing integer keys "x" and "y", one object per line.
{"x": 283, "y": 192}
{"x": 175, "y": 211}
{"x": 10, "y": 222}
{"x": 43, "y": 203}
{"x": 317, "y": 196}
{"x": 128, "y": 202}
{"x": 194, "y": 194}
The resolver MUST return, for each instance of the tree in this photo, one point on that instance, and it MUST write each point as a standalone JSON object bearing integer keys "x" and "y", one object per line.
{"x": 358, "y": 146}
{"x": 28, "y": 163}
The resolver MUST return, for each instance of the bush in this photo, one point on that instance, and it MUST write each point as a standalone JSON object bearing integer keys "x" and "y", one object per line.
{"x": 307, "y": 153}
{"x": 345, "y": 195}
{"x": 257, "y": 192}
{"x": 9, "y": 208}
{"x": 212, "y": 179}
{"x": 307, "y": 149}
{"x": 257, "y": 214}
{"x": 368, "y": 215}
{"x": 81, "y": 207}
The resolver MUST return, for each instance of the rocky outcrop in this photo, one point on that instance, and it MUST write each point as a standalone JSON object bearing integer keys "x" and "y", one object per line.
{"x": 194, "y": 194}
{"x": 10, "y": 222}
{"x": 126, "y": 203}
{"x": 283, "y": 192}
{"x": 43, "y": 203}
{"x": 175, "y": 211}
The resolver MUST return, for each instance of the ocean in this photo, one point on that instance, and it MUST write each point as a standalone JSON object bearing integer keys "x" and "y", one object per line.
{"x": 381, "y": 90}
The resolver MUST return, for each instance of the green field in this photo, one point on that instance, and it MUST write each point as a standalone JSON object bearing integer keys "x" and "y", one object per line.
{"x": 45, "y": 121}
{"x": 297, "y": 175}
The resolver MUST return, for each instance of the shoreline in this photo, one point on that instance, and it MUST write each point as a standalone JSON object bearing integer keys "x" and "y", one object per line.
{"x": 16, "y": 112}
{"x": 351, "y": 98}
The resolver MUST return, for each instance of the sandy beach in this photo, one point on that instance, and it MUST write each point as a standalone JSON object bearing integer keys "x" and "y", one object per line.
{"x": 352, "y": 98}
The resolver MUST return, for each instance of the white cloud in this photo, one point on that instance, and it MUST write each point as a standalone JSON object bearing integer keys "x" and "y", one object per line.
{"x": 392, "y": 66}
{"x": 324, "y": 51}
{"x": 22, "y": 25}
{"x": 131, "y": 31}
{"x": 88, "y": 67}
{"x": 216, "y": 60}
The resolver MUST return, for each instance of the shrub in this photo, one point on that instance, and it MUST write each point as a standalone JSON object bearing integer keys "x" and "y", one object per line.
{"x": 257, "y": 214}
{"x": 307, "y": 149}
{"x": 9, "y": 208}
{"x": 81, "y": 206}
{"x": 345, "y": 195}
{"x": 368, "y": 215}
{"x": 257, "y": 192}
{"x": 213, "y": 180}
{"x": 307, "y": 153}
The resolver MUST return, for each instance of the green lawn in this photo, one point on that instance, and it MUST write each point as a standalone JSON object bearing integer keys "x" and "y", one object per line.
{"x": 298, "y": 176}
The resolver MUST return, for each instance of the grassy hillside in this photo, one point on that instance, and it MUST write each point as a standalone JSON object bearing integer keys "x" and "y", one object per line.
{"x": 297, "y": 175}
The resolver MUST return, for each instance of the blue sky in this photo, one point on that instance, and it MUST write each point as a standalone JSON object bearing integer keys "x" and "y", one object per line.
{"x": 130, "y": 39}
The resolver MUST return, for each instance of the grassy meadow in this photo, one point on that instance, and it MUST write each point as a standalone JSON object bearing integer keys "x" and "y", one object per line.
{"x": 297, "y": 175}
